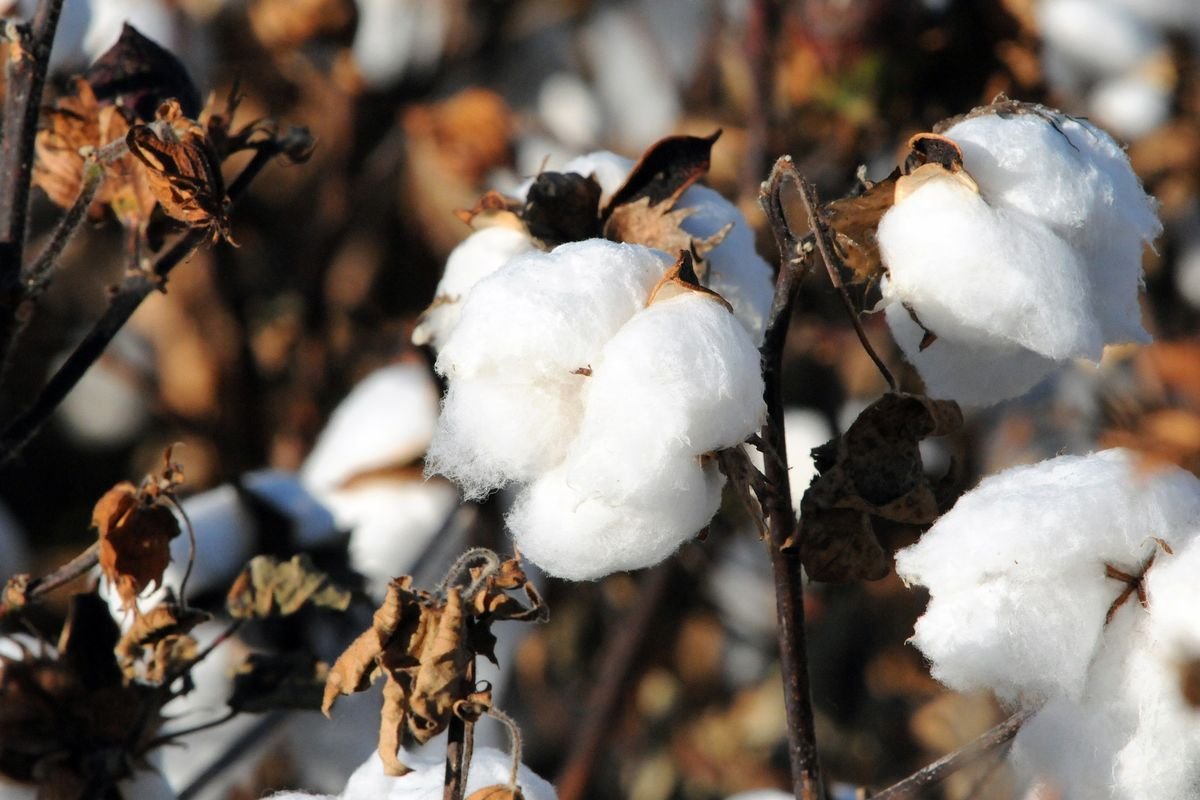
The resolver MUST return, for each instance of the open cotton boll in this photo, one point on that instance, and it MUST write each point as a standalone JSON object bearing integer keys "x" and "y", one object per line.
{"x": 1102, "y": 38}
{"x": 609, "y": 170}
{"x": 735, "y": 269}
{"x": 398, "y": 38}
{"x": 1016, "y": 570}
{"x": 489, "y": 767}
{"x": 1131, "y": 105}
{"x": 476, "y": 257}
{"x": 577, "y": 534}
{"x": 386, "y": 420}
{"x": 516, "y": 361}
{"x": 680, "y": 378}
{"x": 1076, "y": 179}
{"x": 976, "y": 371}
{"x": 1071, "y": 749}
{"x": 985, "y": 270}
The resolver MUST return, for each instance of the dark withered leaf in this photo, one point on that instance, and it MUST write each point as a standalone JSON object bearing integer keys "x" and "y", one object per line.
{"x": 562, "y": 207}
{"x": 871, "y": 473}
{"x": 665, "y": 171}
{"x": 282, "y": 681}
{"x": 139, "y": 74}
{"x": 87, "y": 642}
{"x": 268, "y": 587}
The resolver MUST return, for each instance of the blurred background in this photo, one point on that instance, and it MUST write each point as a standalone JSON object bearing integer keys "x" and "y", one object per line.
{"x": 659, "y": 685}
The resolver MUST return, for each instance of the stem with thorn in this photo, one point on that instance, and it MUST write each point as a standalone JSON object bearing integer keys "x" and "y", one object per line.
{"x": 796, "y": 261}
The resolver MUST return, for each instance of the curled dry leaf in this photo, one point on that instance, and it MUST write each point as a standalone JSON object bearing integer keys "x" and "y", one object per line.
{"x": 682, "y": 278}
{"x": 423, "y": 645}
{"x": 871, "y": 480}
{"x": 136, "y": 526}
{"x": 183, "y": 169}
{"x": 158, "y": 642}
{"x": 268, "y": 587}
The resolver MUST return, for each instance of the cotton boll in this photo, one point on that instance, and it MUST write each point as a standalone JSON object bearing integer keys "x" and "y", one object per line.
{"x": 1187, "y": 272}
{"x": 1131, "y": 105}
{"x": 1016, "y": 570}
{"x": 735, "y": 269}
{"x": 1101, "y": 38}
{"x": 476, "y": 257}
{"x": 609, "y": 169}
{"x": 517, "y": 359}
{"x": 976, "y": 372}
{"x": 386, "y": 420}
{"x": 396, "y": 39}
{"x": 152, "y": 18}
{"x": 1073, "y": 748}
{"x": 575, "y": 534}
{"x": 680, "y": 378}
{"x": 981, "y": 272}
{"x": 1074, "y": 178}
{"x": 489, "y": 767}
{"x": 569, "y": 110}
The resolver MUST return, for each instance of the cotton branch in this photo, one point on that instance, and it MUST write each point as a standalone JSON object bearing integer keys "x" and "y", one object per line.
{"x": 952, "y": 762}
{"x": 133, "y": 290}
{"x": 796, "y": 261}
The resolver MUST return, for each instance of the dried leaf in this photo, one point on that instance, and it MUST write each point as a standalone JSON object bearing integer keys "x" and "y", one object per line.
{"x": 184, "y": 173}
{"x": 69, "y": 126}
{"x": 665, "y": 171}
{"x": 562, "y": 207}
{"x": 158, "y": 642}
{"x": 138, "y": 74}
{"x": 284, "y": 681}
{"x": 869, "y": 476}
{"x": 288, "y": 24}
{"x": 268, "y": 587}
{"x": 135, "y": 533}
{"x": 682, "y": 278}
{"x": 854, "y": 221}
{"x": 14, "y": 596}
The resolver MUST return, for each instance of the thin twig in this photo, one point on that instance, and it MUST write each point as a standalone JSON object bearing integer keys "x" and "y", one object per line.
{"x": 621, "y": 650}
{"x": 168, "y": 738}
{"x": 952, "y": 762}
{"x": 68, "y": 572}
{"x": 136, "y": 287}
{"x": 824, "y": 242}
{"x": 455, "y": 782}
{"x": 37, "y": 277}
{"x": 796, "y": 262}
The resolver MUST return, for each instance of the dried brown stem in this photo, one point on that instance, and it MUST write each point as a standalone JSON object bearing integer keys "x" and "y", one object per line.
{"x": 458, "y": 744}
{"x": 796, "y": 262}
{"x": 68, "y": 572}
{"x": 824, "y": 242}
{"x": 621, "y": 650}
{"x": 27, "y": 64}
{"x": 950, "y": 763}
{"x": 133, "y": 290}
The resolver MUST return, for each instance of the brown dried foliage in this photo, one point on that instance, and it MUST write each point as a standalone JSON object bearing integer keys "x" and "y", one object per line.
{"x": 268, "y": 587}
{"x": 136, "y": 526}
{"x": 870, "y": 480}
{"x": 158, "y": 642}
{"x": 423, "y": 644}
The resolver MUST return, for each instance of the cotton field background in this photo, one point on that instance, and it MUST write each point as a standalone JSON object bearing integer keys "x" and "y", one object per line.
{"x": 500, "y": 280}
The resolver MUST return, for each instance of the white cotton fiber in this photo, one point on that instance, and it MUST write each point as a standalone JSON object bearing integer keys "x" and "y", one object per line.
{"x": 735, "y": 269}
{"x": 1131, "y": 105}
{"x": 515, "y": 362}
{"x": 681, "y": 378}
{"x": 489, "y": 767}
{"x": 971, "y": 270}
{"x": 1016, "y": 570}
{"x": 976, "y": 371}
{"x": 573, "y": 532}
{"x": 1042, "y": 264}
{"x": 387, "y": 420}
{"x": 1099, "y": 37}
{"x": 476, "y": 257}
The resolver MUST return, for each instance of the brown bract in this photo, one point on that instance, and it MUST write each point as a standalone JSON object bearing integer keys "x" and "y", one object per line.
{"x": 854, "y": 221}
{"x": 422, "y": 644}
{"x": 158, "y": 642}
{"x": 268, "y": 587}
{"x": 183, "y": 169}
{"x": 871, "y": 480}
{"x": 681, "y": 278}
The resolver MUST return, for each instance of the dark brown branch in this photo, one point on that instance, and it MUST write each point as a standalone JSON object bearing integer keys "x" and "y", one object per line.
{"x": 950, "y": 763}
{"x": 77, "y": 566}
{"x": 621, "y": 649}
{"x": 132, "y": 291}
{"x": 824, "y": 242}
{"x": 795, "y": 262}
{"x": 762, "y": 27}
{"x": 459, "y": 742}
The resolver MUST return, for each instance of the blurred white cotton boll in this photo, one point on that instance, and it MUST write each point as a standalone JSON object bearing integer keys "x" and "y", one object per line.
{"x": 639, "y": 97}
{"x": 489, "y": 767}
{"x": 154, "y": 19}
{"x": 1017, "y": 570}
{"x": 476, "y": 257}
{"x": 1131, "y": 105}
{"x": 1187, "y": 272}
{"x": 107, "y": 407}
{"x": 387, "y": 420}
{"x": 609, "y": 169}
{"x": 396, "y": 39}
{"x": 1098, "y": 36}
{"x": 569, "y": 110}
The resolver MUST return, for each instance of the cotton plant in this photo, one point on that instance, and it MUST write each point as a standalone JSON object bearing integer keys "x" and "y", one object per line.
{"x": 1012, "y": 251}
{"x": 1068, "y": 588}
